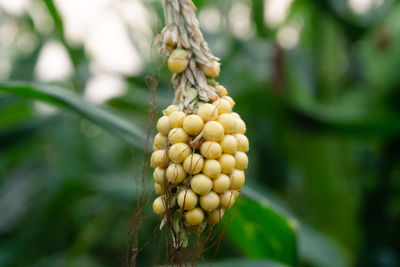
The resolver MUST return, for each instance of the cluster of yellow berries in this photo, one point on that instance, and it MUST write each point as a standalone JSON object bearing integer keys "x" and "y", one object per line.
{"x": 199, "y": 160}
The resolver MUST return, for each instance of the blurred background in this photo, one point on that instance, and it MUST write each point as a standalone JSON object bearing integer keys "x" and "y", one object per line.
{"x": 316, "y": 81}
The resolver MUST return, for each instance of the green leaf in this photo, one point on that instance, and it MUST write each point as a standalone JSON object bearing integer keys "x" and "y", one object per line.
{"x": 259, "y": 231}
{"x": 244, "y": 263}
{"x": 60, "y": 97}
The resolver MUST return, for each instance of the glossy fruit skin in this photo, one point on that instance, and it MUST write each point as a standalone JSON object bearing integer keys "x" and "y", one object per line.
{"x": 193, "y": 164}
{"x": 159, "y": 206}
{"x": 241, "y": 160}
{"x": 178, "y": 60}
{"x": 212, "y": 168}
{"x": 229, "y": 144}
{"x": 208, "y": 112}
{"x": 201, "y": 184}
{"x": 213, "y": 131}
{"x": 227, "y": 199}
{"x": 222, "y": 183}
{"x": 163, "y": 125}
{"x": 215, "y": 216}
{"x": 212, "y": 70}
{"x": 179, "y": 152}
{"x": 211, "y": 150}
{"x": 176, "y": 119}
{"x": 209, "y": 201}
{"x": 175, "y": 173}
{"x": 160, "y": 141}
{"x": 243, "y": 143}
{"x": 227, "y": 163}
{"x": 228, "y": 121}
{"x": 223, "y": 106}
{"x": 187, "y": 199}
{"x": 194, "y": 216}
{"x": 193, "y": 124}
{"x": 159, "y": 158}
{"x": 237, "y": 179}
{"x": 177, "y": 135}
{"x": 170, "y": 109}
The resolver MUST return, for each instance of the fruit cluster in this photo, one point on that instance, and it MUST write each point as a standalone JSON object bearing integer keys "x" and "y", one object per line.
{"x": 199, "y": 158}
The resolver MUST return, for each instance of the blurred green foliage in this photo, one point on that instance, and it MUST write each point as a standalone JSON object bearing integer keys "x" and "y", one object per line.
{"x": 323, "y": 120}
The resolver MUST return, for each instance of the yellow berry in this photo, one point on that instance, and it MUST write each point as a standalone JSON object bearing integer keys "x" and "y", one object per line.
{"x": 241, "y": 160}
{"x": 235, "y": 115}
{"x": 243, "y": 142}
{"x": 163, "y": 125}
{"x": 210, "y": 201}
{"x": 170, "y": 109}
{"x": 177, "y": 135}
{"x": 175, "y": 173}
{"x": 221, "y": 91}
{"x": 160, "y": 141}
{"x": 212, "y": 168}
{"x": 213, "y": 131}
{"x": 193, "y": 164}
{"x": 159, "y": 175}
{"x": 178, "y": 60}
{"x": 176, "y": 119}
{"x": 229, "y": 144}
{"x": 187, "y": 199}
{"x": 221, "y": 184}
{"x": 240, "y": 126}
{"x": 193, "y": 124}
{"x": 159, "y": 189}
{"x": 211, "y": 150}
{"x": 159, "y": 205}
{"x": 159, "y": 158}
{"x": 228, "y": 121}
{"x": 212, "y": 70}
{"x": 227, "y": 162}
{"x": 194, "y": 216}
{"x": 223, "y": 106}
{"x": 227, "y": 199}
{"x": 230, "y": 100}
{"x": 179, "y": 152}
{"x": 208, "y": 112}
{"x": 201, "y": 184}
{"x": 237, "y": 179}
{"x": 216, "y": 216}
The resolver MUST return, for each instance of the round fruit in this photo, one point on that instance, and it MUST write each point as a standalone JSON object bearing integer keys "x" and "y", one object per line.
{"x": 212, "y": 70}
{"x": 227, "y": 162}
{"x": 159, "y": 158}
{"x": 216, "y": 216}
{"x": 223, "y": 106}
{"x": 229, "y": 144}
{"x": 175, "y": 173}
{"x": 163, "y": 125}
{"x": 243, "y": 142}
{"x": 208, "y": 112}
{"x": 193, "y": 164}
{"x": 159, "y": 175}
{"x": 159, "y": 189}
{"x": 241, "y": 160}
{"x": 159, "y": 205}
{"x": 170, "y": 109}
{"x": 160, "y": 141}
{"x": 213, "y": 131}
{"x": 230, "y": 100}
{"x": 193, "y": 124}
{"x": 187, "y": 199}
{"x": 237, "y": 179}
{"x": 221, "y": 91}
{"x": 210, "y": 201}
{"x": 176, "y": 119}
{"x": 179, "y": 152}
{"x": 240, "y": 126}
{"x": 201, "y": 184}
{"x": 212, "y": 168}
{"x": 211, "y": 150}
{"x": 227, "y": 199}
{"x": 228, "y": 121}
{"x": 194, "y": 216}
{"x": 221, "y": 184}
{"x": 178, "y": 60}
{"x": 177, "y": 135}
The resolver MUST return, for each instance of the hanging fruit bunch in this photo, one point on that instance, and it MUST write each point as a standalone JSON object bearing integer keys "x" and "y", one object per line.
{"x": 200, "y": 149}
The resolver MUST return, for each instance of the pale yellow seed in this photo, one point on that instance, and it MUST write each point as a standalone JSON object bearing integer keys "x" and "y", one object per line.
{"x": 228, "y": 121}
{"x": 193, "y": 164}
{"x": 221, "y": 91}
{"x": 237, "y": 179}
{"x": 159, "y": 189}
{"x": 243, "y": 142}
{"x": 210, "y": 201}
{"x": 208, "y": 112}
{"x": 160, "y": 141}
{"x": 193, "y": 124}
{"x": 177, "y": 135}
{"x": 211, "y": 150}
{"x": 227, "y": 162}
{"x": 159, "y": 205}
{"x": 227, "y": 199}
{"x": 201, "y": 184}
{"x": 163, "y": 125}
{"x": 176, "y": 119}
{"x": 159, "y": 175}
{"x": 187, "y": 199}
{"x": 236, "y": 115}
{"x": 216, "y": 216}
{"x": 178, "y": 60}
{"x": 175, "y": 173}
{"x": 230, "y": 100}
{"x": 159, "y": 158}
{"x": 170, "y": 109}
{"x": 241, "y": 160}
{"x": 212, "y": 70}
{"x": 213, "y": 131}
{"x": 212, "y": 168}
{"x": 221, "y": 184}
{"x": 194, "y": 216}
{"x": 229, "y": 144}
{"x": 179, "y": 152}
{"x": 240, "y": 126}
{"x": 223, "y": 106}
